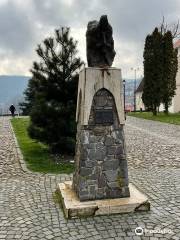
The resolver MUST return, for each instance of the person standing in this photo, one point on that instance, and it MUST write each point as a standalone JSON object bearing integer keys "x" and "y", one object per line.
{"x": 12, "y": 109}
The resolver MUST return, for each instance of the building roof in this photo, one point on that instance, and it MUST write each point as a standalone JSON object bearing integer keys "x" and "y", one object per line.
{"x": 177, "y": 44}
{"x": 141, "y": 86}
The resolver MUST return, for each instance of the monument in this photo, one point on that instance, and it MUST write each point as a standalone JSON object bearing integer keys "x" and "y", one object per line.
{"x": 100, "y": 182}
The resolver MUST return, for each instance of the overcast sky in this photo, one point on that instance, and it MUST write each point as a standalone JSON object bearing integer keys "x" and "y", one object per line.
{"x": 25, "y": 23}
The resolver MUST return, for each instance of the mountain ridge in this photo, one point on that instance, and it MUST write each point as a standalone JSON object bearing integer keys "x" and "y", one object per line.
{"x": 13, "y": 86}
{"x": 11, "y": 90}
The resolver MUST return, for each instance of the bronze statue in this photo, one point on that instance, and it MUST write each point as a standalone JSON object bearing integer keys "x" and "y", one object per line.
{"x": 100, "y": 43}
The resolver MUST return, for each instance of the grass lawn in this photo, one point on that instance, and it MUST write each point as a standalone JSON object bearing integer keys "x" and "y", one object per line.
{"x": 173, "y": 118}
{"x": 36, "y": 154}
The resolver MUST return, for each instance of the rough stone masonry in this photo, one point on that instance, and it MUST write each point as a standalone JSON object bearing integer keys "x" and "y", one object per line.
{"x": 101, "y": 166}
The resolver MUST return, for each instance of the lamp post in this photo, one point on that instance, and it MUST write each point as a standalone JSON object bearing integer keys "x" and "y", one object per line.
{"x": 124, "y": 88}
{"x": 135, "y": 70}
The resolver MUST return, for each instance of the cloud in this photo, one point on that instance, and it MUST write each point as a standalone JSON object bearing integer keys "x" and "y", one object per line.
{"x": 132, "y": 19}
{"x": 24, "y": 24}
{"x": 16, "y": 29}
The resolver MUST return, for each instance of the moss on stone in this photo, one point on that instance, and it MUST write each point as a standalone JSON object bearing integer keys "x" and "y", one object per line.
{"x": 84, "y": 177}
{"x": 120, "y": 181}
{"x": 57, "y": 198}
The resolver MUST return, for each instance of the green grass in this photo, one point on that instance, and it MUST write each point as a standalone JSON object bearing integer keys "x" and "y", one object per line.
{"x": 36, "y": 154}
{"x": 172, "y": 118}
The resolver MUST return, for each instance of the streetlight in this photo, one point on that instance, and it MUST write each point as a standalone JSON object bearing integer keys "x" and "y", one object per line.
{"x": 124, "y": 88}
{"x": 135, "y": 70}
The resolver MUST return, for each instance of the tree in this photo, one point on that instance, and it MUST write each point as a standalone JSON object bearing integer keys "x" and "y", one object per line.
{"x": 169, "y": 70}
{"x": 153, "y": 71}
{"x": 51, "y": 92}
{"x": 173, "y": 28}
{"x": 160, "y": 68}
{"x": 29, "y": 96}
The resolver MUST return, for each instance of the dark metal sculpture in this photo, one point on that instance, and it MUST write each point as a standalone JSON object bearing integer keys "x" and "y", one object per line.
{"x": 100, "y": 43}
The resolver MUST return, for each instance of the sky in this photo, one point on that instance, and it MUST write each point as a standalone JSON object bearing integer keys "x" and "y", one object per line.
{"x": 25, "y": 23}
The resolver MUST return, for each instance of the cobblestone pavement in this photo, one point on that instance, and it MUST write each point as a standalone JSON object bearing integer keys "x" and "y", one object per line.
{"x": 28, "y": 210}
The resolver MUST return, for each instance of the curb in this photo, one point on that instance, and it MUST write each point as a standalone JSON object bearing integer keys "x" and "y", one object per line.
{"x": 23, "y": 163}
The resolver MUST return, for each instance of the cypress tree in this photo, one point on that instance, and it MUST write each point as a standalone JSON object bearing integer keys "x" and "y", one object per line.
{"x": 51, "y": 92}
{"x": 153, "y": 71}
{"x": 170, "y": 69}
{"x": 147, "y": 72}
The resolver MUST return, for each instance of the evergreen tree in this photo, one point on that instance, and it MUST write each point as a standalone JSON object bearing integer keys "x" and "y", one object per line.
{"x": 29, "y": 94}
{"x": 170, "y": 69}
{"x": 51, "y": 92}
{"x": 160, "y": 68}
{"x": 153, "y": 71}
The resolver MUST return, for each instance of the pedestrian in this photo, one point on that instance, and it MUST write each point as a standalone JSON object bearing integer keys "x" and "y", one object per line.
{"x": 12, "y": 109}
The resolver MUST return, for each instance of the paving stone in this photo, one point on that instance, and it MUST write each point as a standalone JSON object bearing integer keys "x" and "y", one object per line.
{"x": 27, "y": 209}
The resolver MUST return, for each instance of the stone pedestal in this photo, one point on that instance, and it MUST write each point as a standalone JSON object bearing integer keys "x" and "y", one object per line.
{"x": 101, "y": 165}
{"x": 73, "y": 208}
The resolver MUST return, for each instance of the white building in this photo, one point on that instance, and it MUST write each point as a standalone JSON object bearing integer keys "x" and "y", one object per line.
{"x": 139, "y": 92}
{"x": 176, "y": 99}
{"x": 175, "y": 106}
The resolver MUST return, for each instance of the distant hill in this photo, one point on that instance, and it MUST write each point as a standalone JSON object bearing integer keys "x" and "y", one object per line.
{"x": 11, "y": 90}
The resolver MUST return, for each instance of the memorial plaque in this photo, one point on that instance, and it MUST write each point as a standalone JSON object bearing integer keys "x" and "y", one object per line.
{"x": 103, "y": 116}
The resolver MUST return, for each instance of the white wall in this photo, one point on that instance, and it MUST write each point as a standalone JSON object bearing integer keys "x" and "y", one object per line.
{"x": 177, "y": 99}
{"x": 177, "y": 96}
{"x": 139, "y": 102}
{"x": 171, "y": 107}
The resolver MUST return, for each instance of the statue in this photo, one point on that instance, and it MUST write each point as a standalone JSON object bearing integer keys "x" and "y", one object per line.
{"x": 100, "y": 43}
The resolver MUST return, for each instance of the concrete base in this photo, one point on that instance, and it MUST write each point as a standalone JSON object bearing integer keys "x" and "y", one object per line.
{"x": 73, "y": 208}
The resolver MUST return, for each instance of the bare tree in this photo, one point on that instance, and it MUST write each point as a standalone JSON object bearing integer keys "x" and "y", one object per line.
{"x": 173, "y": 28}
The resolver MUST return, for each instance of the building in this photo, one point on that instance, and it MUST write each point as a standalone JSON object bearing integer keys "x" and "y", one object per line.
{"x": 175, "y": 106}
{"x": 176, "y": 99}
{"x": 129, "y": 93}
{"x": 139, "y": 92}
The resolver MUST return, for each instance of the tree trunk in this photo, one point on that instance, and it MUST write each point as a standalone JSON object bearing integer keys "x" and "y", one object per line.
{"x": 166, "y": 111}
{"x": 154, "y": 111}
